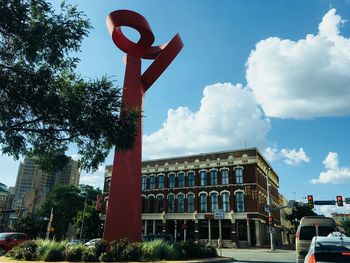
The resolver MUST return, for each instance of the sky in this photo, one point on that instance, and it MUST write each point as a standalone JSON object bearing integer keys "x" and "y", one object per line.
{"x": 268, "y": 74}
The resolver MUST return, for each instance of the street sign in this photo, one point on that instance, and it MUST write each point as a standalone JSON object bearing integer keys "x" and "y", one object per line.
{"x": 219, "y": 214}
{"x": 266, "y": 209}
{"x": 325, "y": 202}
{"x": 271, "y": 229}
{"x": 347, "y": 200}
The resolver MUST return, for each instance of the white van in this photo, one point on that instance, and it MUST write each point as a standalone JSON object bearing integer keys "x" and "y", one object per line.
{"x": 309, "y": 227}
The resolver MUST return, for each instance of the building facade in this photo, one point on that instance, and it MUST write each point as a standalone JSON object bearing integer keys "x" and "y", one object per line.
{"x": 33, "y": 184}
{"x": 183, "y": 196}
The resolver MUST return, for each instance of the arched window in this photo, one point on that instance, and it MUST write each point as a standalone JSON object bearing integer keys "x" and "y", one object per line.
{"x": 214, "y": 201}
{"x": 181, "y": 176}
{"x": 213, "y": 177}
{"x": 171, "y": 180}
{"x": 144, "y": 182}
{"x": 224, "y": 176}
{"x": 160, "y": 207}
{"x": 203, "y": 177}
{"x": 190, "y": 176}
{"x": 240, "y": 202}
{"x": 152, "y": 182}
{"x": 190, "y": 203}
{"x": 203, "y": 204}
{"x": 239, "y": 175}
{"x": 225, "y": 201}
{"x": 150, "y": 204}
{"x": 181, "y": 203}
{"x": 161, "y": 181}
{"x": 171, "y": 203}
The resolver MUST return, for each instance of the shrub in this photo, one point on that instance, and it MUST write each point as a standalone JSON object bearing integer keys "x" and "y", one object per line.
{"x": 101, "y": 246}
{"x": 159, "y": 249}
{"x": 124, "y": 250}
{"x": 74, "y": 252}
{"x": 107, "y": 257}
{"x": 197, "y": 250}
{"x": 51, "y": 250}
{"x": 90, "y": 255}
{"x": 25, "y": 250}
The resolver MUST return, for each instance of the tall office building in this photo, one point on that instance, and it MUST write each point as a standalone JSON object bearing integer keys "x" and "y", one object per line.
{"x": 33, "y": 184}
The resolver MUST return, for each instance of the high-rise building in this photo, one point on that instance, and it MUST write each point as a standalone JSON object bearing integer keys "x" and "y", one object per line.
{"x": 33, "y": 184}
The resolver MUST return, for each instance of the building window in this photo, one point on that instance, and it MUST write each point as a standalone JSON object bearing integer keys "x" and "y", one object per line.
{"x": 160, "y": 207}
{"x": 240, "y": 202}
{"x": 203, "y": 200}
{"x": 151, "y": 204}
{"x": 172, "y": 181}
{"x": 239, "y": 175}
{"x": 190, "y": 176}
{"x": 171, "y": 203}
{"x": 224, "y": 176}
{"x": 144, "y": 183}
{"x": 214, "y": 202}
{"x": 180, "y": 203}
{"x": 190, "y": 203}
{"x": 203, "y": 177}
{"x": 152, "y": 182}
{"x": 181, "y": 179}
{"x": 226, "y": 202}
{"x": 213, "y": 177}
{"x": 161, "y": 181}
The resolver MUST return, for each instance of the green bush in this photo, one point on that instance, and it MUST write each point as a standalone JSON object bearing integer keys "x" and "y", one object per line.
{"x": 197, "y": 250}
{"x": 107, "y": 257}
{"x": 25, "y": 250}
{"x": 51, "y": 250}
{"x": 74, "y": 252}
{"x": 124, "y": 250}
{"x": 101, "y": 246}
{"x": 90, "y": 255}
{"x": 159, "y": 249}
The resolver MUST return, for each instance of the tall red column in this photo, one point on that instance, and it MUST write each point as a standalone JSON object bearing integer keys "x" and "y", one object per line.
{"x": 123, "y": 217}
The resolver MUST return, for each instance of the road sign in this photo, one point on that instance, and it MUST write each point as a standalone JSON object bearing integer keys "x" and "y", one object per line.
{"x": 347, "y": 200}
{"x": 266, "y": 208}
{"x": 219, "y": 214}
{"x": 271, "y": 229}
{"x": 325, "y": 202}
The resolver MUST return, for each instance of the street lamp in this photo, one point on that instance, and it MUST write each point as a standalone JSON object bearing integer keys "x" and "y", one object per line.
{"x": 270, "y": 215}
{"x": 82, "y": 220}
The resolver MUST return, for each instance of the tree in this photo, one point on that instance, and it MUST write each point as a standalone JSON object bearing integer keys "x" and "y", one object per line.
{"x": 92, "y": 227}
{"x": 298, "y": 213}
{"x": 30, "y": 225}
{"x": 66, "y": 202}
{"x": 45, "y": 105}
{"x": 346, "y": 226}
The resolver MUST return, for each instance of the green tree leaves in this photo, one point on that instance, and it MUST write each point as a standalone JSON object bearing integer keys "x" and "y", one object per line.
{"x": 45, "y": 106}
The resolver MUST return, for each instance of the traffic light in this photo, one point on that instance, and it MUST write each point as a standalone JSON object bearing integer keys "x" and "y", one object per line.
{"x": 270, "y": 221}
{"x": 339, "y": 200}
{"x": 18, "y": 209}
{"x": 310, "y": 201}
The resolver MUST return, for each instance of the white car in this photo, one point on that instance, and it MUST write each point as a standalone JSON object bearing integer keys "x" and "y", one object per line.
{"x": 92, "y": 242}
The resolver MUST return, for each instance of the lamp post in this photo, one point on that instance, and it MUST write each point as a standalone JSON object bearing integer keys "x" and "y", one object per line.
{"x": 270, "y": 215}
{"x": 82, "y": 220}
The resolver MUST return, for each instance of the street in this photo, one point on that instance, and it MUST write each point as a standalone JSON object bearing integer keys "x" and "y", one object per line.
{"x": 259, "y": 255}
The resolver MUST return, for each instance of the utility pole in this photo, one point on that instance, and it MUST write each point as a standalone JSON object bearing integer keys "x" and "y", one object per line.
{"x": 49, "y": 224}
{"x": 270, "y": 215}
{"x": 82, "y": 221}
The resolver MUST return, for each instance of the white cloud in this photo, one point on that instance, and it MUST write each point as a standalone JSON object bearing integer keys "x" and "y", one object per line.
{"x": 327, "y": 210}
{"x": 305, "y": 78}
{"x": 294, "y": 157}
{"x": 95, "y": 179}
{"x": 289, "y": 156}
{"x": 229, "y": 117}
{"x": 333, "y": 174}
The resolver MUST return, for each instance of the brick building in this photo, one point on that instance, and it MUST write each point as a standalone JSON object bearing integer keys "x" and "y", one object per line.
{"x": 180, "y": 195}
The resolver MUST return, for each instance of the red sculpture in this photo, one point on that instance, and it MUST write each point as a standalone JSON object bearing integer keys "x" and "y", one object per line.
{"x": 123, "y": 217}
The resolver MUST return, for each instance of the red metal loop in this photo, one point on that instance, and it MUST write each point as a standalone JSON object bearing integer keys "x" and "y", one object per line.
{"x": 134, "y": 20}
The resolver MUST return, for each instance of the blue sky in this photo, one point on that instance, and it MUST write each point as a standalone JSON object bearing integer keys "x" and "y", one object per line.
{"x": 268, "y": 74}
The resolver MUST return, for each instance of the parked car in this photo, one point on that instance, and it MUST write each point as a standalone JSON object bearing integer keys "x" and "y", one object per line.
{"x": 9, "y": 240}
{"x": 333, "y": 248}
{"x": 92, "y": 242}
{"x": 309, "y": 227}
{"x": 74, "y": 242}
